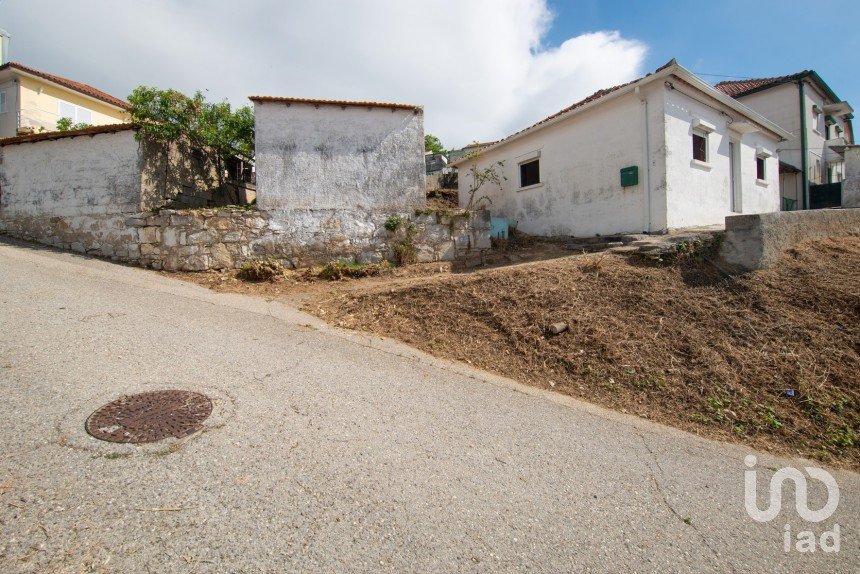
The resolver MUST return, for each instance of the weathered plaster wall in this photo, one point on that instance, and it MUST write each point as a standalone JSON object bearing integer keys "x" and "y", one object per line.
{"x": 757, "y": 241}
{"x": 701, "y": 194}
{"x": 581, "y": 157}
{"x": 71, "y": 177}
{"x": 332, "y": 157}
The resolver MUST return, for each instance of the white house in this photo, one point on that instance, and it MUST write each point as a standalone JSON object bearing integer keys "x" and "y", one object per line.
{"x": 804, "y": 105}
{"x": 664, "y": 151}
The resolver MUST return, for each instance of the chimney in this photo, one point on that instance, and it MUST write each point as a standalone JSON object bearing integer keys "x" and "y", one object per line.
{"x": 5, "y": 40}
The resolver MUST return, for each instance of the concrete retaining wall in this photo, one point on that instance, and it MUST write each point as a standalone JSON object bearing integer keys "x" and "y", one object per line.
{"x": 757, "y": 241}
{"x": 851, "y": 184}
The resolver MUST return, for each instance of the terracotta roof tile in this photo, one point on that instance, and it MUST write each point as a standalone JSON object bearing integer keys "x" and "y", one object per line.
{"x": 71, "y": 84}
{"x": 738, "y": 88}
{"x": 107, "y": 129}
{"x": 334, "y": 102}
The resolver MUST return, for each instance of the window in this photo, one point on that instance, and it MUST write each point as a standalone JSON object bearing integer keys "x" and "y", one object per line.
{"x": 530, "y": 173}
{"x": 700, "y": 146}
{"x": 816, "y": 119}
{"x": 77, "y": 114}
{"x": 760, "y": 168}
{"x": 2, "y": 101}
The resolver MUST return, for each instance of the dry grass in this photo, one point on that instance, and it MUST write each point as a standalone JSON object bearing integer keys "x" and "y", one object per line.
{"x": 678, "y": 343}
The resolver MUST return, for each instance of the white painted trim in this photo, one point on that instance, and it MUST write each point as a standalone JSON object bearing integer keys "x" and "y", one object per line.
{"x": 532, "y": 186}
{"x": 701, "y": 164}
{"x": 527, "y": 157}
{"x": 762, "y": 183}
{"x": 700, "y": 124}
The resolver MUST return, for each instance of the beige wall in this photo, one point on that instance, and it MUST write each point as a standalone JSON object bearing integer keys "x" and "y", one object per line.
{"x": 41, "y": 110}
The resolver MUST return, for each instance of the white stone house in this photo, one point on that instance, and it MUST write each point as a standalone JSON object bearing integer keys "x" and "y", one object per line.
{"x": 819, "y": 120}
{"x": 664, "y": 151}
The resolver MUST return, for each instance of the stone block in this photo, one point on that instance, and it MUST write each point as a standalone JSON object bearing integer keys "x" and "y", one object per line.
{"x": 446, "y": 251}
{"x": 193, "y": 219}
{"x": 481, "y": 239}
{"x": 78, "y": 247}
{"x": 202, "y": 236}
{"x": 219, "y": 223}
{"x": 425, "y": 218}
{"x": 232, "y": 237}
{"x": 221, "y": 257}
{"x": 370, "y": 257}
{"x": 195, "y": 263}
{"x": 170, "y": 237}
{"x": 255, "y": 222}
{"x": 424, "y": 254}
{"x": 149, "y": 235}
{"x": 136, "y": 220}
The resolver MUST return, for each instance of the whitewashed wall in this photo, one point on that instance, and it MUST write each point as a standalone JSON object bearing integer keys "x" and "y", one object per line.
{"x": 701, "y": 195}
{"x": 85, "y": 175}
{"x": 580, "y": 162}
{"x": 332, "y": 157}
{"x": 581, "y": 157}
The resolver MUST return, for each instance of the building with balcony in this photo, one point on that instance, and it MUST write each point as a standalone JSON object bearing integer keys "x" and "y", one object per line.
{"x": 812, "y": 163}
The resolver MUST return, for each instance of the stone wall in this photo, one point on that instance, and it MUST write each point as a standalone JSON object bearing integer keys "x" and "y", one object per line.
{"x": 225, "y": 238}
{"x": 757, "y": 241}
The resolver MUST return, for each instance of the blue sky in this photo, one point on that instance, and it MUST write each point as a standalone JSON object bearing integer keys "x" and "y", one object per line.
{"x": 750, "y": 38}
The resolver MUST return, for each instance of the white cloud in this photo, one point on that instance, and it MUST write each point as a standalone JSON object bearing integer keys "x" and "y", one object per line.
{"x": 479, "y": 67}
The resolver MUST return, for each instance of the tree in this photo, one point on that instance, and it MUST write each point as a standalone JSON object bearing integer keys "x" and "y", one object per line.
{"x": 215, "y": 129}
{"x": 66, "y": 124}
{"x": 492, "y": 174}
{"x": 433, "y": 144}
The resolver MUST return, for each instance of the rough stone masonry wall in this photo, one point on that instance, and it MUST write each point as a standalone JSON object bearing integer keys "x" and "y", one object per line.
{"x": 196, "y": 240}
{"x": 756, "y": 241}
{"x": 225, "y": 238}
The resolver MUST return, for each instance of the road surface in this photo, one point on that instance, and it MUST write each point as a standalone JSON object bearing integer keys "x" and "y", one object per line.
{"x": 334, "y": 451}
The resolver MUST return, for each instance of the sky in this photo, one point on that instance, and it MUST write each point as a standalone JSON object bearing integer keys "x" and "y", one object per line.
{"x": 482, "y": 69}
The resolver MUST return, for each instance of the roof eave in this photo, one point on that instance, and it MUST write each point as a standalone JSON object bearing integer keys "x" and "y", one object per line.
{"x": 670, "y": 70}
{"x": 80, "y": 93}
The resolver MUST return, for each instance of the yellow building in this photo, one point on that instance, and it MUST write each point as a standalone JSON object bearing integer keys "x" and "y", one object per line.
{"x": 32, "y": 101}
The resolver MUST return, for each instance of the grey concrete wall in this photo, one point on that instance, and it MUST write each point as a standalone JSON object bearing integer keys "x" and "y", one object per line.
{"x": 757, "y": 241}
{"x": 851, "y": 184}
{"x": 366, "y": 159}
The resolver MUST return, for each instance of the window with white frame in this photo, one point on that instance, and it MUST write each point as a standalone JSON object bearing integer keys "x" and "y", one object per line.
{"x": 816, "y": 119}
{"x": 529, "y": 167}
{"x": 760, "y": 168}
{"x": 700, "y": 133}
{"x": 530, "y": 173}
{"x": 78, "y": 114}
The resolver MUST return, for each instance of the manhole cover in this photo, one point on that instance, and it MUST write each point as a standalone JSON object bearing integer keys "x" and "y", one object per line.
{"x": 148, "y": 417}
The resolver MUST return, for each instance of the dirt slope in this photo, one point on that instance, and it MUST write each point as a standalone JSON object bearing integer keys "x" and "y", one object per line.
{"x": 678, "y": 343}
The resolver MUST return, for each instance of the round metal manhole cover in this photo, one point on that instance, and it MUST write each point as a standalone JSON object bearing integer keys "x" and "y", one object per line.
{"x": 148, "y": 417}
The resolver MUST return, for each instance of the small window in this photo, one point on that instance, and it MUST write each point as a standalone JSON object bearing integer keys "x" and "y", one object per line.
{"x": 760, "y": 168}
{"x": 2, "y": 101}
{"x": 530, "y": 173}
{"x": 700, "y": 146}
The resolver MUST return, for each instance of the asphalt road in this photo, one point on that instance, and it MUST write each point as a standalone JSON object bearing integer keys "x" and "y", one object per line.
{"x": 332, "y": 451}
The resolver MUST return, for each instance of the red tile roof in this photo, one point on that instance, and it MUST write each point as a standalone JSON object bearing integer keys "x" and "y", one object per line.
{"x": 71, "y": 84}
{"x": 334, "y": 102}
{"x": 738, "y": 88}
{"x": 43, "y": 136}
